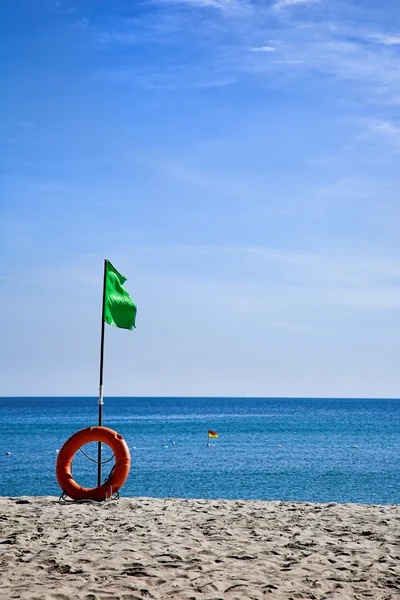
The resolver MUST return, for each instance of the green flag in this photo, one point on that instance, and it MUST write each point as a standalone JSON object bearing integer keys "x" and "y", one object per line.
{"x": 119, "y": 309}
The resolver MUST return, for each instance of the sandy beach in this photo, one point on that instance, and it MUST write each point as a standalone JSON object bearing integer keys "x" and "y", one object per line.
{"x": 142, "y": 548}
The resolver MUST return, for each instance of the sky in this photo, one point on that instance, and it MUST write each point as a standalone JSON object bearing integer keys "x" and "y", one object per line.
{"x": 236, "y": 160}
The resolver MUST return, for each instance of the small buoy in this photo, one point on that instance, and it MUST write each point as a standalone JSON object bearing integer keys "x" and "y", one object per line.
{"x": 165, "y": 446}
{"x": 8, "y": 453}
{"x": 355, "y": 446}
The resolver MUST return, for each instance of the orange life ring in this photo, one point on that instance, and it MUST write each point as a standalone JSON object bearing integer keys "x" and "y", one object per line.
{"x": 118, "y": 475}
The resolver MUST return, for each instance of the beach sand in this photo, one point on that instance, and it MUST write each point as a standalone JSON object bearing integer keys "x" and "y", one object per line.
{"x": 142, "y": 548}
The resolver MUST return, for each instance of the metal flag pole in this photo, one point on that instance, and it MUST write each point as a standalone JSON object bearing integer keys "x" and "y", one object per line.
{"x": 101, "y": 377}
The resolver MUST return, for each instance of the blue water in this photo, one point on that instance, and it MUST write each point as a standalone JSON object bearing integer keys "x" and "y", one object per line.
{"x": 268, "y": 449}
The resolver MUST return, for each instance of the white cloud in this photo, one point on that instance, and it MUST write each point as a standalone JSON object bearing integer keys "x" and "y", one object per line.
{"x": 386, "y": 129}
{"x": 282, "y": 279}
{"x": 180, "y": 78}
{"x": 387, "y": 40}
{"x": 264, "y": 49}
{"x": 291, "y": 61}
{"x": 336, "y": 52}
{"x": 218, "y": 4}
{"x": 235, "y": 48}
{"x": 285, "y": 3}
{"x": 343, "y": 277}
{"x": 62, "y": 7}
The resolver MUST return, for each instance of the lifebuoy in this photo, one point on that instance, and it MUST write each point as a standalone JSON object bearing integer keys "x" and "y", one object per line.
{"x": 118, "y": 475}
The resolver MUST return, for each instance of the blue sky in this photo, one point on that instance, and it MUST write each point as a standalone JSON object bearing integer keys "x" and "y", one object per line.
{"x": 236, "y": 160}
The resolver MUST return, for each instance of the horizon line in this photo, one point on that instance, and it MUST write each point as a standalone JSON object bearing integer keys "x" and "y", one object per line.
{"x": 220, "y": 397}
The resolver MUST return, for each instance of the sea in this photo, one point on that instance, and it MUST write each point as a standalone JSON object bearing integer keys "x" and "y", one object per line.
{"x": 287, "y": 449}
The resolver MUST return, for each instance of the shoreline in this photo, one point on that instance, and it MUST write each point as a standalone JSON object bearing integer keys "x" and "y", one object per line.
{"x": 31, "y": 498}
{"x": 170, "y": 548}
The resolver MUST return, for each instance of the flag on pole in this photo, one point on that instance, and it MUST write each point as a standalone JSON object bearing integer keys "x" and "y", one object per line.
{"x": 212, "y": 434}
{"x": 119, "y": 308}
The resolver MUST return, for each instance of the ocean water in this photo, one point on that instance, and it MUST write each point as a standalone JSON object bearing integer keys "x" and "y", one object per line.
{"x": 315, "y": 450}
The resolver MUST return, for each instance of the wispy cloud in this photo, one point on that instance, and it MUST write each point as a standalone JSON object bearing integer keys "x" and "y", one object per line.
{"x": 264, "y": 49}
{"x": 63, "y": 7}
{"x": 156, "y": 79}
{"x": 336, "y": 51}
{"x": 226, "y": 48}
{"x": 285, "y": 325}
{"x": 347, "y": 277}
{"x": 286, "y": 3}
{"x": 224, "y": 5}
{"x": 17, "y": 125}
{"x": 387, "y": 40}
{"x": 390, "y": 130}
